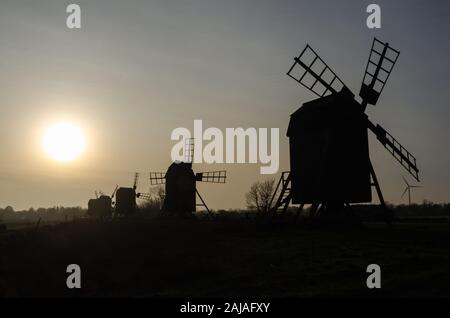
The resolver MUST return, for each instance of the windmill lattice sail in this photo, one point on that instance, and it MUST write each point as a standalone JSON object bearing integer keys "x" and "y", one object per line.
{"x": 212, "y": 176}
{"x": 157, "y": 178}
{"x": 403, "y": 156}
{"x": 144, "y": 196}
{"x": 380, "y": 64}
{"x": 315, "y": 74}
{"x": 189, "y": 150}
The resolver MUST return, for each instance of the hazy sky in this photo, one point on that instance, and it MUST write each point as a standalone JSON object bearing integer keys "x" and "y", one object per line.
{"x": 138, "y": 69}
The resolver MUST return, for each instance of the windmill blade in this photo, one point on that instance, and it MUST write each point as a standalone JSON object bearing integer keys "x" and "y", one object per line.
{"x": 189, "y": 150}
{"x": 312, "y": 72}
{"x": 136, "y": 178}
{"x": 380, "y": 64}
{"x": 96, "y": 194}
{"x": 403, "y": 194}
{"x": 157, "y": 178}
{"x": 114, "y": 192}
{"x": 211, "y": 176}
{"x": 403, "y": 156}
{"x": 413, "y": 186}
{"x": 144, "y": 196}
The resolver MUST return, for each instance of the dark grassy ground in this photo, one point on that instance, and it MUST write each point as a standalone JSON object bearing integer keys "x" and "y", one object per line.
{"x": 192, "y": 258}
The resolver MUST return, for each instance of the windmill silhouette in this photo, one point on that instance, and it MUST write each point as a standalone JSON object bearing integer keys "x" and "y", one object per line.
{"x": 328, "y": 137}
{"x": 408, "y": 189}
{"x": 101, "y": 206}
{"x": 181, "y": 183}
{"x": 126, "y": 198}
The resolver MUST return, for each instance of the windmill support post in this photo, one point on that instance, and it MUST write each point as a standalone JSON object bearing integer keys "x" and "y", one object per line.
{"x": 203, "y": 203}
{"x": 379, "y": 193}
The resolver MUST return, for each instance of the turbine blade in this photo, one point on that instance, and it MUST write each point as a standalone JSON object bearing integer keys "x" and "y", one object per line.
{"x": 404, "y": 179}
{"x": 404, "y": 192}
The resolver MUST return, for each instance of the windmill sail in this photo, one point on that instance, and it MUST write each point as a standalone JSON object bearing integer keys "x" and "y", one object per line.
{"x": 114, "y": 192}
{"x": 212, "y": 176}
{"x": 406, "y": 159}
{"x": 382, "y": 59}
{"x": 144, "y": 196}
{"x": 136, "y": 178}
{"x": 157, "y": 178}
{"x": 315, "y": 74}
{"x": 189, "y": 150}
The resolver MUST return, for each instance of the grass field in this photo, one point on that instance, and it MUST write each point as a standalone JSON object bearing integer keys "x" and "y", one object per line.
{"x": 166, "y": 257}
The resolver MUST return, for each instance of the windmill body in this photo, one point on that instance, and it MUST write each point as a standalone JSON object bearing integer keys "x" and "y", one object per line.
{"x": 100, "y": 207}
{"x": 329, "y": 151}
{"x": 180, "y": 188}
{"x": 126, "y": 199}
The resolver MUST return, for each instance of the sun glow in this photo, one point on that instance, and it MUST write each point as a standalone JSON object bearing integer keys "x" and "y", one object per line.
{"x": 63, "y": 142}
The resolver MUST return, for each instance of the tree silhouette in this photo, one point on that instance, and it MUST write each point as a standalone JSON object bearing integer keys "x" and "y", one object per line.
{"x": 259, "y": 195}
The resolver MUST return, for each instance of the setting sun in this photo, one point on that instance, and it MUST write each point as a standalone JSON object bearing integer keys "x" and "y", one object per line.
{"x": 63, "y": 142}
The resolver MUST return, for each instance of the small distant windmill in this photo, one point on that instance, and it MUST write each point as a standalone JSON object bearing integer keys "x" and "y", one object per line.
{"x": 408, "y": 189}
{"x": 126, "y": 198}
{"x": 180, "y": 182}
{"x": 101, "y": 206}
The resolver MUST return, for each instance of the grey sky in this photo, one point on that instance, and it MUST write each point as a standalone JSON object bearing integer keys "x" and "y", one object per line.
{"x": 138, "y": 69}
